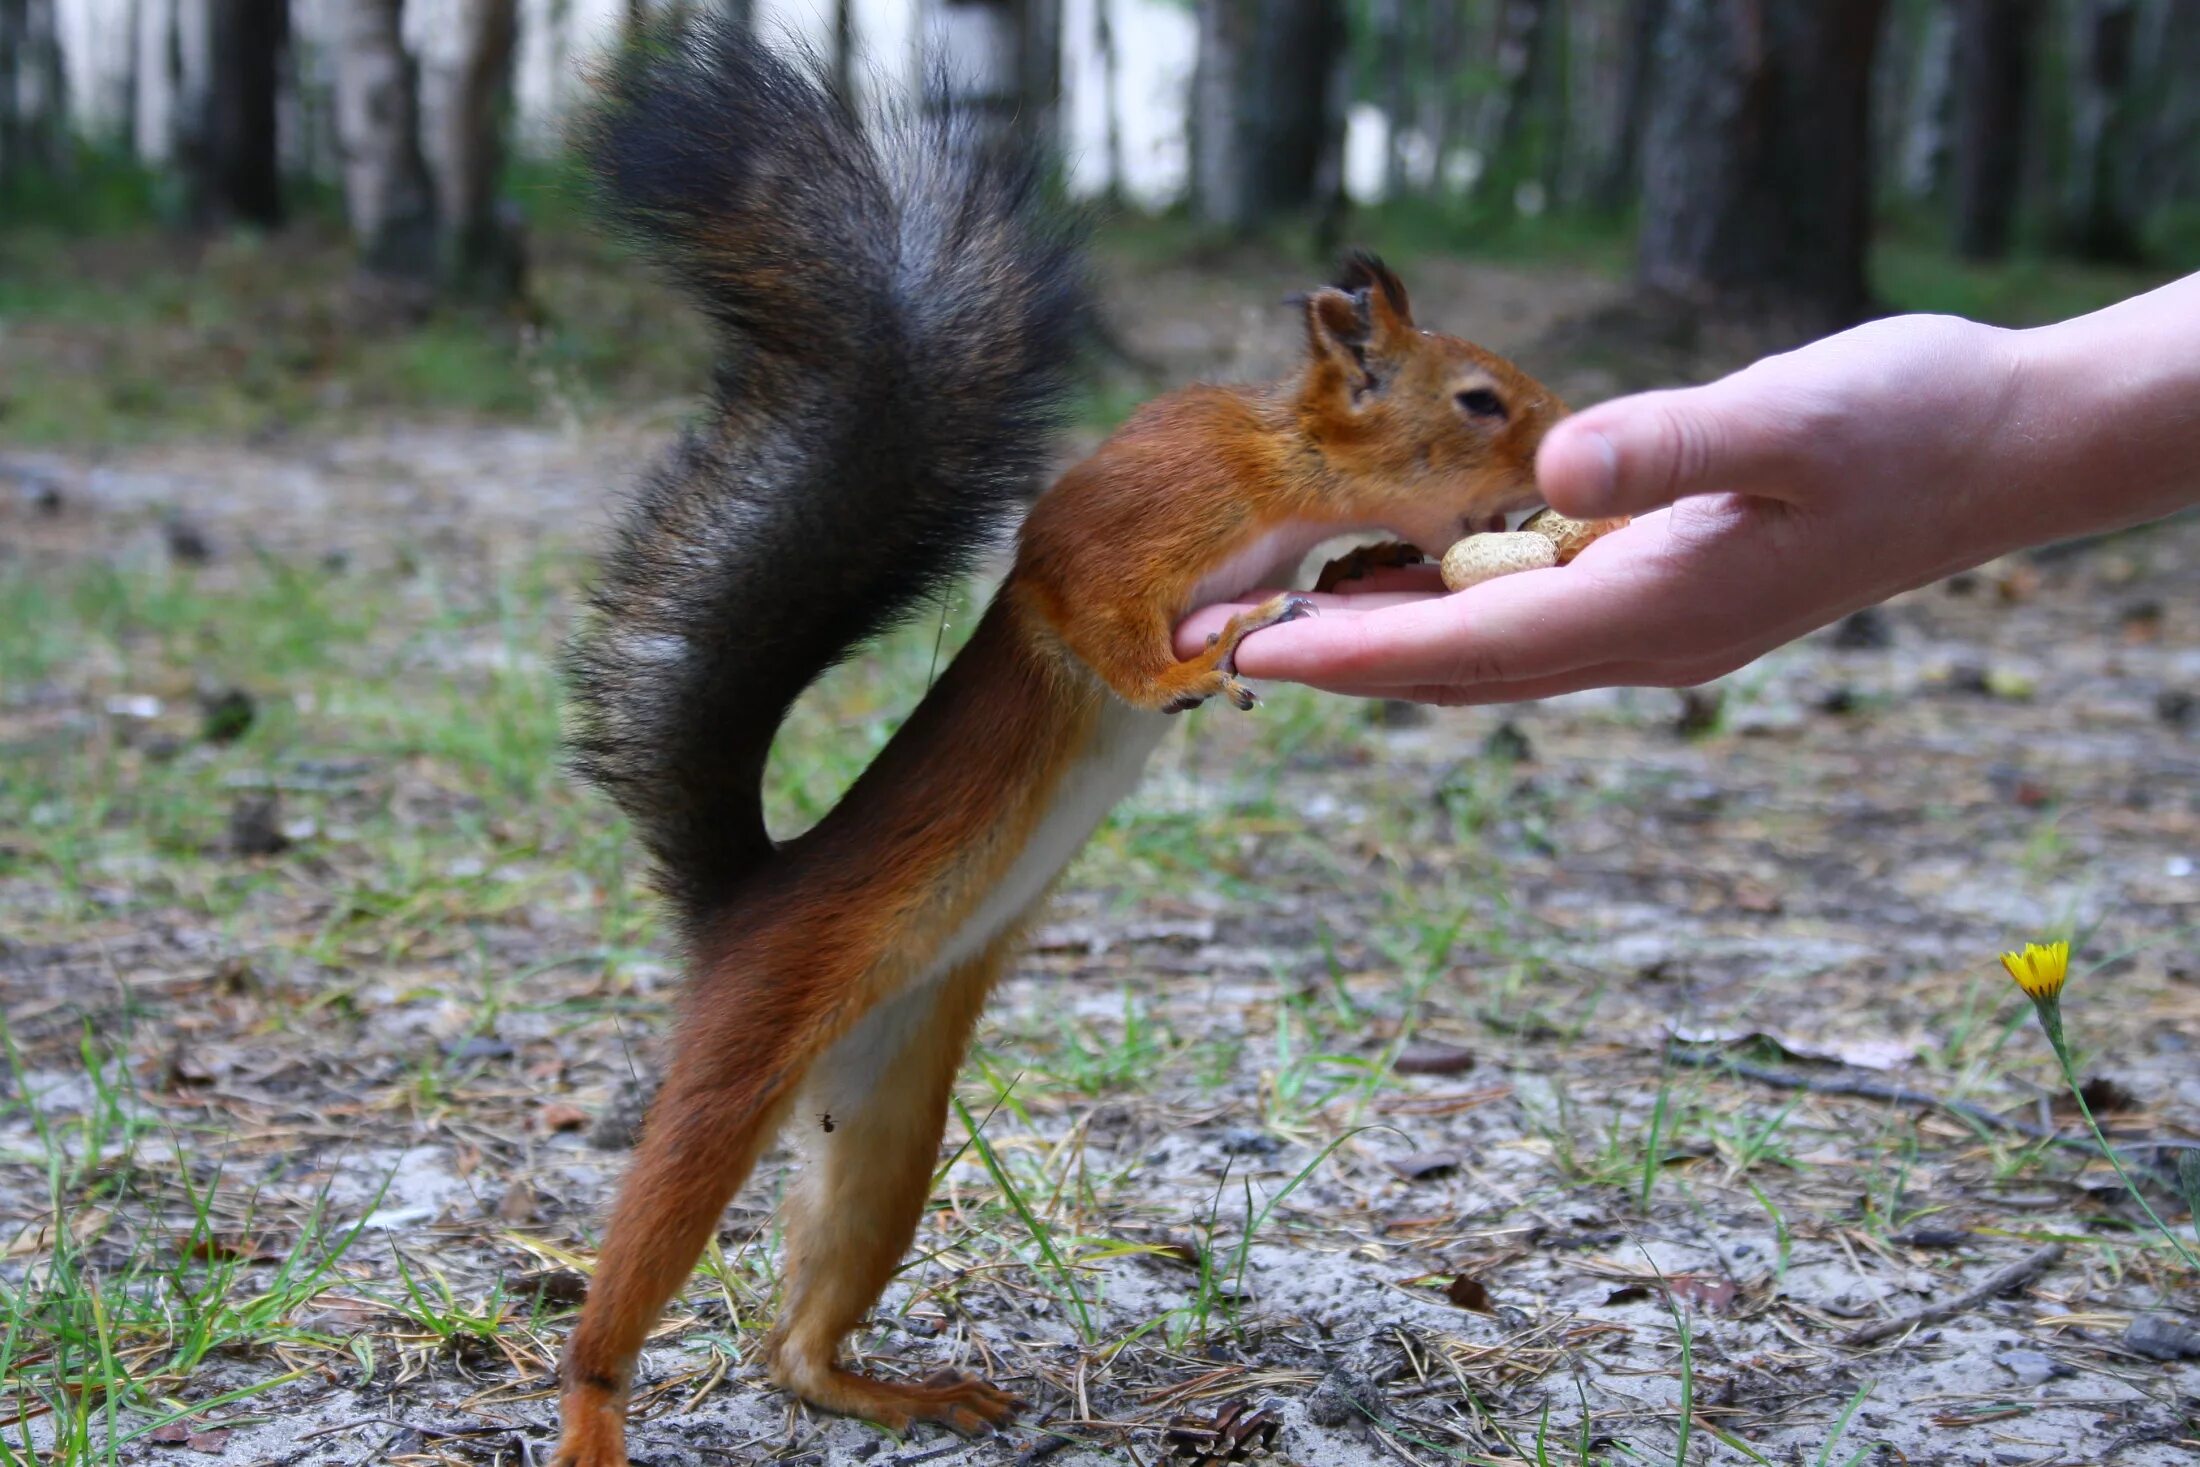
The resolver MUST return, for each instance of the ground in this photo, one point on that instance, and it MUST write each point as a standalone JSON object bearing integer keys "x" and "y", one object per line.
{"x": 1471, "y": 1085}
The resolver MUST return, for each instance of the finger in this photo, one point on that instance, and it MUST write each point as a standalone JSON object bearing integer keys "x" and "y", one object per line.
{"x": 1632, "y": 454}
{"x": 1192, "y": 633}
{"x": 1522, "y": 690}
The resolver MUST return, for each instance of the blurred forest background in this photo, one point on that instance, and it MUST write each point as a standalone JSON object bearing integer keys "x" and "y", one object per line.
{"x": 182, "y": 182}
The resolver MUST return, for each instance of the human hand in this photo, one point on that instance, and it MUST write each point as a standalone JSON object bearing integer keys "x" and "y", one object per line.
{"x": 1767, "y": 504}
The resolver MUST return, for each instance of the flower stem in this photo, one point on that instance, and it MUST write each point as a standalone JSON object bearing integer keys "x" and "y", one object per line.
{"x": 2051, "y": 1021}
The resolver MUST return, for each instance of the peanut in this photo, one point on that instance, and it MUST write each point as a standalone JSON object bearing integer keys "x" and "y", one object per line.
{"x": 1570, "y": 537}
{"x": 1480, "y": 558}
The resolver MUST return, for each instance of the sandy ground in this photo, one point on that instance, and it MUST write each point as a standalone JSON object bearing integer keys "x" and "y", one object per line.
{"x": 1814, "y": 884}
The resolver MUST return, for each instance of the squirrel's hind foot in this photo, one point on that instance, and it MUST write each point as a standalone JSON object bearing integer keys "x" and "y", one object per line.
{"x": 595, "y": 1430}
{"x": 963, "y": 1404}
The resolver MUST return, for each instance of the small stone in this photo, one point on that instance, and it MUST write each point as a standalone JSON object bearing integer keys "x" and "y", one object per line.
{"x": 1699, "y": 712}
{"x": 618, "y": 1126}
{"x": 255, "y": 825}
{"x": 1864, "y": 631}
{"x": 1244, "y": 1141}
{"x": 2162, "y": 1337}
{"x": 1400, "y": 713}
{"x": 1347, "y": 1393}
{"x": 224, "y": 717}
{"x": 1508, "y": 743}
{"x": 2173, "y": 706}
{"x": 187, "y": 543}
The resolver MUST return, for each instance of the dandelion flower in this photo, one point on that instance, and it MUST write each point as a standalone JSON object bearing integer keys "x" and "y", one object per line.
{"x": 2040, "y": 970}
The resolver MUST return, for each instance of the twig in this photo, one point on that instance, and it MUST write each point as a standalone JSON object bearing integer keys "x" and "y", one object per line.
{"x": 1863, "y": 1089}
{"x": 2015, "y": 1276}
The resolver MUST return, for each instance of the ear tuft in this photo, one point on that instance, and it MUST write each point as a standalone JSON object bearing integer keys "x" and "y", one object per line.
{"x": 1337, "y": 334}
{"x": 1365, "y": 274}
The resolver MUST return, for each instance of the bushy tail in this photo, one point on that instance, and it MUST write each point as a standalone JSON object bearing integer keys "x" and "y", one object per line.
{"x": 898, "y": 308}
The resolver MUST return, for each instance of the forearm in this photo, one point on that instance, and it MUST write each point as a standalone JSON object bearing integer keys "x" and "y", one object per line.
{"x": 2107, "y": 429}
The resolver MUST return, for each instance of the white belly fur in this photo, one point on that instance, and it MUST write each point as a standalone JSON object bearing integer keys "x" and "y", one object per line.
{"x": 1124, "y": 738}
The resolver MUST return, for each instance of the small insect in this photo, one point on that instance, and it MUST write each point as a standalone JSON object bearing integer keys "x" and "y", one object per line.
{"x": 826, "y": 1120}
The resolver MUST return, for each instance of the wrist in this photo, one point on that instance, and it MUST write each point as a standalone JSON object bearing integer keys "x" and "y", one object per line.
{"x": 2104, "y": 416}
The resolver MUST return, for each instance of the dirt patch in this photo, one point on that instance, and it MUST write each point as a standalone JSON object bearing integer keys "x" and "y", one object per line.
{"x": 331, "y": 1106}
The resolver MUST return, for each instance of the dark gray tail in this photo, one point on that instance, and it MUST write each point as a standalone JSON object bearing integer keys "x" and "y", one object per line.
{"x": 899, "y": 308}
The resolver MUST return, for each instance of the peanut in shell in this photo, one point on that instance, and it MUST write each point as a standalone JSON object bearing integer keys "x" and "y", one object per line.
{"x": 1569, "y": 536}
{"x": 1480, "y": 558}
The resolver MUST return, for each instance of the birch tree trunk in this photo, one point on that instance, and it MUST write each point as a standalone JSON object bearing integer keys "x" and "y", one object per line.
{"x": 1994, "y": 40}
{"x": 387, "y": 196}
{"x": 1103, "y": 42}
{"x": 1756, "y": 184}
{"x": 480, "y": 251}
{"x": 1261, "y": 114}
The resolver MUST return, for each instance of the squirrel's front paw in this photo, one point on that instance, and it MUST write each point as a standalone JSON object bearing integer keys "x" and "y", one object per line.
{"x": 1224, "y": 683}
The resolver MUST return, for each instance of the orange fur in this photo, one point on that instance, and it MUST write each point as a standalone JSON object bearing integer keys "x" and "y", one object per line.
{"x": 832, "y": 969}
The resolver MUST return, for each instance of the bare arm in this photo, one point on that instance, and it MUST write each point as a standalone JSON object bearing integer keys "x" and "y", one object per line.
{"x": 1776, "y": 500}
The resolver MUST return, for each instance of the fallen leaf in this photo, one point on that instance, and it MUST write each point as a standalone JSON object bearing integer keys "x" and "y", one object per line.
{"x": 1470, "y": 1293}
{"x": 1420, "y": 1165}
{"x": 517, "y": 1205}
{"x": 558, "y": 1116}
{"x": 1434, "y": 1059}
{"x": 1715, "y": 1295}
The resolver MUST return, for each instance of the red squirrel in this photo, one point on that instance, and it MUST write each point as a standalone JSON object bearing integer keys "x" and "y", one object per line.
{"x": 899, "y": 309}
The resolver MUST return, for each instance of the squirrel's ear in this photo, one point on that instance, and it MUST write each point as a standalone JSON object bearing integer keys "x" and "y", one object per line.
{"x": 1336, "y": 337}
{"x": 1389, "y": 313}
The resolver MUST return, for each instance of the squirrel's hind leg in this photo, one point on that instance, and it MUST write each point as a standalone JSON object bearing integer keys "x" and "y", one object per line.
{"x": 871, "y": 1117}
{"x": 746, "y": 1041}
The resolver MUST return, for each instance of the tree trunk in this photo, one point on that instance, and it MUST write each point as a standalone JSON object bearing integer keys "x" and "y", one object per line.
{"x": 238, "y": 173}
{"x": 844, "y": 49}
{"x": 386, "y": 191}
{"x": 1920, "y": 146}
{"x": 14, "y": 26}
{"x": 1994, "y": 40}
{"x": 2169, "y": 170}
{"x": 2097, "y": 217}
{"x": 34, "y": 94}
{"x": 1103, "y": 43}
{"x": 975, "y": 59}
{"x": 1756, "y": 184}
{"x": 480, "y": 249}
{"x": 1440, "y": 112}
{"x": 1523, "y": 31}
{"x": 1261, "y": 113}
{"x": 1390, "y": 46}
{"x": 1622, "y": 176}
{"x": 1040, "y": 68}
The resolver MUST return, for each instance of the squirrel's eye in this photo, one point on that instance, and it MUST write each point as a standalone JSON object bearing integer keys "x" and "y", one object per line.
{"x": 1481, "y": 402}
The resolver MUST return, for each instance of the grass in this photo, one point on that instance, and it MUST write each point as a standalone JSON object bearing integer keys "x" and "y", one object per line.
{"x": 457, "y": 938}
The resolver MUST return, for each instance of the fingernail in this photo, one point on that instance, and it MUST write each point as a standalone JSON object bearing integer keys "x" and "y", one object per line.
{"x": 1600, "y": 486}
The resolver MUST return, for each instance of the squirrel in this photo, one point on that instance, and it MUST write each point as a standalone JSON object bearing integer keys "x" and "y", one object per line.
{"x": 900, "y": 308}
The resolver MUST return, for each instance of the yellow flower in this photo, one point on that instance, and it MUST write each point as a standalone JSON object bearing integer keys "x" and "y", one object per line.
{"x": 2039, "y": 970}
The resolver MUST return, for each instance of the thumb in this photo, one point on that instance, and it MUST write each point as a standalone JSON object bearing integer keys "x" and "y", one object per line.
{"x": 1637, "y": 453}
